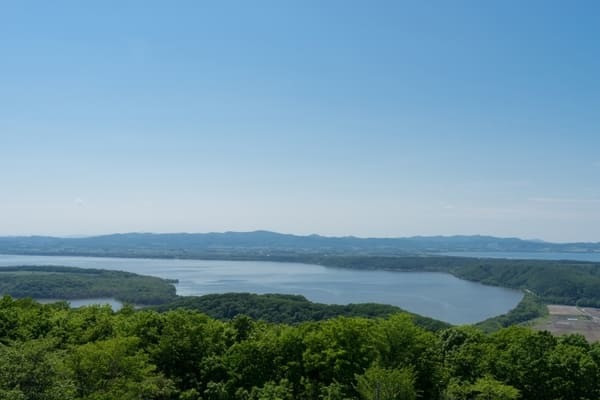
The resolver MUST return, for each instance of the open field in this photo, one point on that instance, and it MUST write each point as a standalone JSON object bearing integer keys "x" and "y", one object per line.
{"x": 564, "y": 320}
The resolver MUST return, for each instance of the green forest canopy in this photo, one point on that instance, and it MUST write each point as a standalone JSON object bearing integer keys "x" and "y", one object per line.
{"x": 55, "y": 282}
{"x": 286, "y": 308}
{"x": 52, "y": 352}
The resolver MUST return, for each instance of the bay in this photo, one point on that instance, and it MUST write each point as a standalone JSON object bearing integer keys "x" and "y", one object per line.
{"x": 524, "y": 255}
{"x": 436, "y": 295}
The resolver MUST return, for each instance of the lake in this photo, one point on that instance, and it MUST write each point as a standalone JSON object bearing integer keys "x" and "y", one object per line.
{"x": 437, "y": 295}
{"x": 524, "y": 255}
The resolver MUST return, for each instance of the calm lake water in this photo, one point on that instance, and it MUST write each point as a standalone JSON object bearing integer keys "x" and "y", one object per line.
{"x": 594, "y": 257}
{"x": 437, "y": 295}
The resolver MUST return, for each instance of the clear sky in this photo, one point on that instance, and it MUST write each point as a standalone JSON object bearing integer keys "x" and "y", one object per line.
{"x": 369, "y": 118}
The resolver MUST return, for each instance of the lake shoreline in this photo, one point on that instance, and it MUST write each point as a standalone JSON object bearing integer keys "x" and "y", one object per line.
{"x": 435, "y": 294}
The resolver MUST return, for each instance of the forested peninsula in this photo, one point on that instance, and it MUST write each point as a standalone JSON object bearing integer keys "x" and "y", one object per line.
{"x": 69, "y": 283}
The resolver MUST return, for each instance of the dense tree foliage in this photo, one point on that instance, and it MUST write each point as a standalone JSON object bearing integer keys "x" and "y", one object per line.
{"x": 54, "y": 282}
{"x": 53, "y": 352}
{"x": 529, "y": 308}
{"x": 284, "y": 308}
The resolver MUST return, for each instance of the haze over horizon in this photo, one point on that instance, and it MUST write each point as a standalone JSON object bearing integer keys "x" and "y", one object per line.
{"x": 337, "y": 118}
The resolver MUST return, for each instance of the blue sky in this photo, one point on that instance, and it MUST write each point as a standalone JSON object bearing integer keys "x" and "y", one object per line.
{"x": 340, "y": 117}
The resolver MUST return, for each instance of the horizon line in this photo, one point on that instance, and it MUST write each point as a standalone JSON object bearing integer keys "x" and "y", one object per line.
{"x": 86, "y": 236}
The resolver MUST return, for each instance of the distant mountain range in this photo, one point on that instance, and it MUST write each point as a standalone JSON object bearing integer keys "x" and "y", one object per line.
{"x": 264, "y": 243}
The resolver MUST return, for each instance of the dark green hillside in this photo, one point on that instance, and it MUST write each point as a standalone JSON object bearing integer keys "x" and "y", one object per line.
{"x": 529, "y": 308}
{"x": 289, "y": 309}
{"x": 55, "y": 282}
